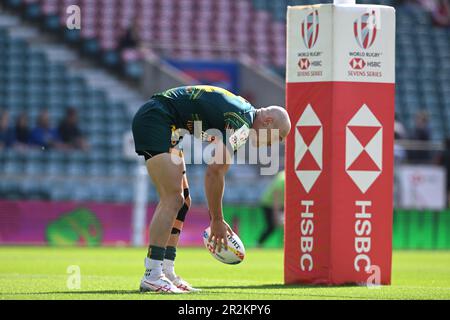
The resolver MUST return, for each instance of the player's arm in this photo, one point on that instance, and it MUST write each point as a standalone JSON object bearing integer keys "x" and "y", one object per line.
{"x": 214, "y": 189}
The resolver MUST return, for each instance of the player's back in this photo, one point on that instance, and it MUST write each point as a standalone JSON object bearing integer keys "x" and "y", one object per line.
{"x": 209, "y": 104}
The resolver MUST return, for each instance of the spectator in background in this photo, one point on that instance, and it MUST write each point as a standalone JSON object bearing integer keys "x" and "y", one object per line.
{"x": 272, "y": 204}
{"x": 131, "y": 51}
{"x": 69, "y": 131}
{"x": 399, "y": 129}
{"x": 421, "y": 133}
{"x": 422, "y": 129}
{"x": 441, "y": 13}
{"x": 130, "y": 37}
{"x": 43, "y": 134}
{"x": 6, "y": 135}
{"x": 399, "y": 134}
{"x": 22, "y": 132}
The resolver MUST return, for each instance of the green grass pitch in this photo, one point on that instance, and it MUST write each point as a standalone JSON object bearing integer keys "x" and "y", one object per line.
{"x": 114, "y": 273}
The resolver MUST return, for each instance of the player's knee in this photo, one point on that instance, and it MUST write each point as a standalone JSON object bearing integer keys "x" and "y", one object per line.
{"x": 178, "y": 200}
{"x": 173, "y": 201}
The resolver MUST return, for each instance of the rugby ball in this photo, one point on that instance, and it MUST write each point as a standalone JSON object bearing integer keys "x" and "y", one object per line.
{"x": 235, "y": 252}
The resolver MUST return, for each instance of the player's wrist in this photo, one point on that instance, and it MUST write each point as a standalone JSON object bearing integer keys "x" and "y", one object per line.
{"x": 216, "y": 218}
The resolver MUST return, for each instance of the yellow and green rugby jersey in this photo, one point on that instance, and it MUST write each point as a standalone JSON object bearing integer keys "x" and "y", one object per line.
{"x": 215, "y": 107}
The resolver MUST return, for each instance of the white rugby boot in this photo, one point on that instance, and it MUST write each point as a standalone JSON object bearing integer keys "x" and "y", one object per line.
{"x": 154, "y": 279}
{"x": 160, "y": 285}
{"x": 184, "y": 285}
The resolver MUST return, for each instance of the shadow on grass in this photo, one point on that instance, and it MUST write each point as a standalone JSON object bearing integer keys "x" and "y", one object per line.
{"x": 117, "y": 292}
{"x": 285, "y": 290}
{"x": 282, "y": 286}
{"x": 282, "y": 290}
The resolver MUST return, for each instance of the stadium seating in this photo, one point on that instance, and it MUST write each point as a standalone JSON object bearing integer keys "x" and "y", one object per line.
{"x": 177, "y": 29}
{"x": 203, "y": 29}
{"x": 30, "y": 82}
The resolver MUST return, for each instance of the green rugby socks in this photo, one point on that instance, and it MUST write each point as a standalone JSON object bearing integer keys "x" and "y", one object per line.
{"x": 169, "y": 262}
{"x": 154, "y": 262}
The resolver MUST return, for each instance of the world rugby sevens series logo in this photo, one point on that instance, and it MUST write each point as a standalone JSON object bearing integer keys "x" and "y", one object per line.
{"x": 310, "y": 29}
{"x": 365, "y": 29}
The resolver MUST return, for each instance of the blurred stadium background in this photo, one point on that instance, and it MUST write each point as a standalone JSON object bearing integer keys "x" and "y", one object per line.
{"x": 67, "y": 98}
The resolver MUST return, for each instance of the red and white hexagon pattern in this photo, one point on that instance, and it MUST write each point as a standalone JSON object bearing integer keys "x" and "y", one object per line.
{"x": 308, "y": 148}
{"x": 364, "y": 148}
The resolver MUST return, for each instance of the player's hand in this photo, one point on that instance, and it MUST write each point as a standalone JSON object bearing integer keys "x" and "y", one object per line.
{"x": 219, "y": 229}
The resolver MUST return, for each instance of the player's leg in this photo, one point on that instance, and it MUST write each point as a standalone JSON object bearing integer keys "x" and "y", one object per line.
{"x": 171, "y": 249}
{"x": 167, "y": 177}
{"x": 178, "y": 225}
{"x": 152, "y": 132}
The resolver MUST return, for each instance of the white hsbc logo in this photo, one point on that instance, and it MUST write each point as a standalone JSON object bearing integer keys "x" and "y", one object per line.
{"x": 363, "y": 163}
{"x": 364, "y": 148}
{"x": 308, "y": 148}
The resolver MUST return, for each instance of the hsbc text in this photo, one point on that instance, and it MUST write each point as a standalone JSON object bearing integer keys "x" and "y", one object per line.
{"x": 306, "y": 238}
{"x": 363, "y": 229}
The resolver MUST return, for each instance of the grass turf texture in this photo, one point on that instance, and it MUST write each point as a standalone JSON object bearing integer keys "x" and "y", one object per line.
{"x": 114, "y": 273}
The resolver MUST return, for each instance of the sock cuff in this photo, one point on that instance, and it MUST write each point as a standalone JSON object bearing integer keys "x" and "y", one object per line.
{"x": 157, "y": 253}
{"x": 171, "y": 253}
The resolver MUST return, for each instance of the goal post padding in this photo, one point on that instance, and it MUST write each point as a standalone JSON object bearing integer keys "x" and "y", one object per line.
{"x": 340, "y": 76}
